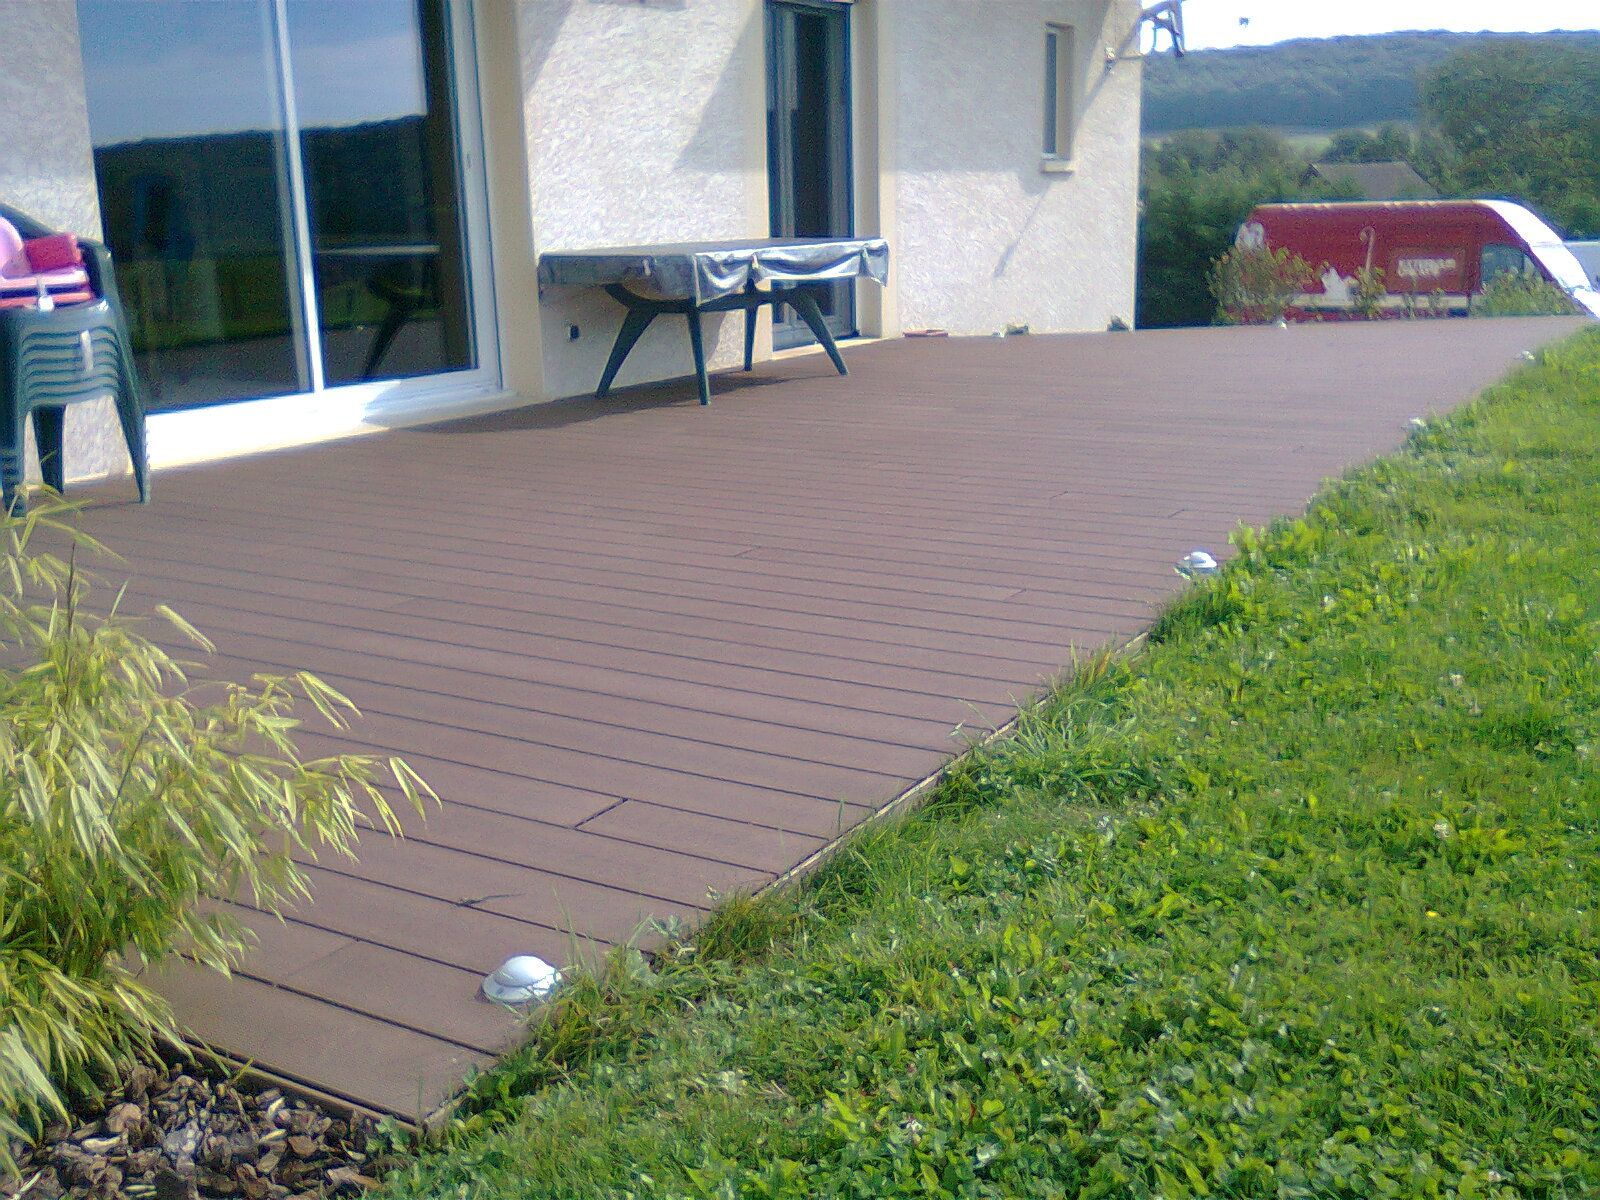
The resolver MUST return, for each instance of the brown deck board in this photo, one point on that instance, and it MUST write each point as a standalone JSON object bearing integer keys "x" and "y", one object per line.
{"x": 592, "y": 662}
{"x": 438, "y": 930}
{"x": 333, "y": 1049}
{"x": 562, "y": 903}
{"x": 650, "y": 653}
{"x": 526, "y": 713}
{"x": 873, "y": 665}
{"x": 563, "y": 768}
{"x": 651, "y": 703}
{"x": 452, "y": 528}
{"x": 349, "y": 578}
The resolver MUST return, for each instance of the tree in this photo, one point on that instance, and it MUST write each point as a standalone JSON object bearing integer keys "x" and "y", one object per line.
{"x": 1197, "y": 189}
{"x": 1391, "y": 143}
{"x": 1523, "y": 119}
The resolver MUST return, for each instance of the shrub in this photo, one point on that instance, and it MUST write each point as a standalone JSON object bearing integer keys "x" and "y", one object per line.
{"x": 1516, "y": 295}
{"x": 133, "y": 798}
{"x": 1254, "y": 285}
{"x": 1371, "y": 290}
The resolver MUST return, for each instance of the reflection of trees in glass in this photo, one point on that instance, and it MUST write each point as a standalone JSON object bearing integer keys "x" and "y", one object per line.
{"x": 206, "y": 208}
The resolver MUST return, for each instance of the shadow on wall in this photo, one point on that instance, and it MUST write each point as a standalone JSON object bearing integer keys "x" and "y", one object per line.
{"x": 539, "y": 39}
{"x": 1038, "y": 188}
{"x": 1035, "y": 183}
{"x": 975, "y": 101}
{"x": 707, "y": 149}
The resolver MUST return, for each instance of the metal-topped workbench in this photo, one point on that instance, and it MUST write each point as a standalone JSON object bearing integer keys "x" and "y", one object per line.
{"x": 693, "y": 278}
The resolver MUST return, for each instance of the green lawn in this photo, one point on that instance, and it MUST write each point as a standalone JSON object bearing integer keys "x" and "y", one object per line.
{"x": 1301, "y": 900}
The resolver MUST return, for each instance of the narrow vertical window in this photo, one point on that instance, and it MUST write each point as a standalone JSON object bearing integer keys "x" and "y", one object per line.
{"x": 1058, "y": 91}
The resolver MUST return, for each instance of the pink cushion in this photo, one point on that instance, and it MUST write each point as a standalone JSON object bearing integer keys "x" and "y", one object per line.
{"x": 56, "y": 262}
{"x": 54, "y": 253}
{"x": 12, "y": 259}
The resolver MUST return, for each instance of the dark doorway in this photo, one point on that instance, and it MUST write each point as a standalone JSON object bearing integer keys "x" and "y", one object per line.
{"x": 808, "y": 143}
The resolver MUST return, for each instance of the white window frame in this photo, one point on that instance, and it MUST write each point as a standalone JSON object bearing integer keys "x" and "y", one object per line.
{"x": 1060, "y": 93}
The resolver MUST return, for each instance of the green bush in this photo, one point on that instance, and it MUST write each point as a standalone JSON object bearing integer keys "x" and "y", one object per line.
{"x": 133, "y": 795}
{"x": 1513, "y": 295}
{"x": 1254, "y": 285}
{"x": 1371, "y": 290}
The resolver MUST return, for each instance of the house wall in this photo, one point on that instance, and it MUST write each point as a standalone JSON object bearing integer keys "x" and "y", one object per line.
{"x": 646, "y": 122}
{"x": 988, "y": 232}
{"x": 949, "y": 102}
{"x": 47, "y": 171}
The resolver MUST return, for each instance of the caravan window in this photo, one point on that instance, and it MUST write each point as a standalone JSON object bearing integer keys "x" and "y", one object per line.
{"x": 1500, "y": 259}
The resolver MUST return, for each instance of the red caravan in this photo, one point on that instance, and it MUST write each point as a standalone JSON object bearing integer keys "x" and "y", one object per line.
{"x": 1433, "y": 253}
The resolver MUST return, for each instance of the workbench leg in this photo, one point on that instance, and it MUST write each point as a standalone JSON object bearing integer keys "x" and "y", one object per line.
{"x": 633, "y": 327}
{"x": 698, "y": 346}
{"x": 750, "y": 337}
{"x": 805, "y": 304}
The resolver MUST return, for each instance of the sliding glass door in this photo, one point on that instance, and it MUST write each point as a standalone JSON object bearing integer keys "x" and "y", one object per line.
{"x": 808, "y": 143}
{"x": 285, "y": 191}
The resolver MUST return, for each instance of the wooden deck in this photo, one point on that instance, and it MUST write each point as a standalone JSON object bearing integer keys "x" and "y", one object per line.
{"x": 647, "y": 651}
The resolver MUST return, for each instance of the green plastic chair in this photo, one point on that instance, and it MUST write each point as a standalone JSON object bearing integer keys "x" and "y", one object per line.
{"x": 69, "y": 355}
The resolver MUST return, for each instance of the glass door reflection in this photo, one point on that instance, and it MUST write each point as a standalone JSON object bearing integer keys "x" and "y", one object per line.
{"x": 382, "y": 186}
{"x": 191, "y": 162}
{"x": 280, "y": 184}
{"x": 808, "y": 144}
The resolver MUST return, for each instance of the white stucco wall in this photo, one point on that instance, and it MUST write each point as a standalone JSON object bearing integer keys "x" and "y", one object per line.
{"x": 45, "y": 167}
{"x": 984, "y": 235}
{"x": 46, "y": 171}
{"x": 645, "y": 123}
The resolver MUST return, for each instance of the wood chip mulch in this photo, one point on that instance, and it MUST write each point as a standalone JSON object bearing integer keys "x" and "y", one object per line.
{"x": 177, "y": 1135}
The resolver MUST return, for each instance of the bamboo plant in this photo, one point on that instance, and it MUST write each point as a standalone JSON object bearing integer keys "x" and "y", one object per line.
{"x": 136, "y": 796}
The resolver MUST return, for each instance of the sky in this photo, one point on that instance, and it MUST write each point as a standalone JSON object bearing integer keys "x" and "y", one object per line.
{"x": 160, "y": 68}
{"x": 1216, "y": 22}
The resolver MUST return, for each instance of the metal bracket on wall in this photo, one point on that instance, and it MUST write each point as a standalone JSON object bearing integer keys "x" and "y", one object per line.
{"x": 1167, "y": 16}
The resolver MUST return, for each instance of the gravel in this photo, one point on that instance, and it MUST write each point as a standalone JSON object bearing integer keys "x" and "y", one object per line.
{"x": 176, "y": 1134}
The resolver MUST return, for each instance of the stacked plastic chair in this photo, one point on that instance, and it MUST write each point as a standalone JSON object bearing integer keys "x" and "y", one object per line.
{"x": 63, "y": 340}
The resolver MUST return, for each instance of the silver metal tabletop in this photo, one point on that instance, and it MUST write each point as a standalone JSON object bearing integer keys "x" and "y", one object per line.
{"x": 705, "y": 271}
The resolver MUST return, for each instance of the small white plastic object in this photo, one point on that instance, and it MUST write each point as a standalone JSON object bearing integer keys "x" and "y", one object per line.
{"x": 1198, "y": 562}
{"x": 521, "y": 979}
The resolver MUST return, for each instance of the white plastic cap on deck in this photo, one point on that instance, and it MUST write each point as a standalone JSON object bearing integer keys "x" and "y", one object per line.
{"x": 521, "y": 979}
